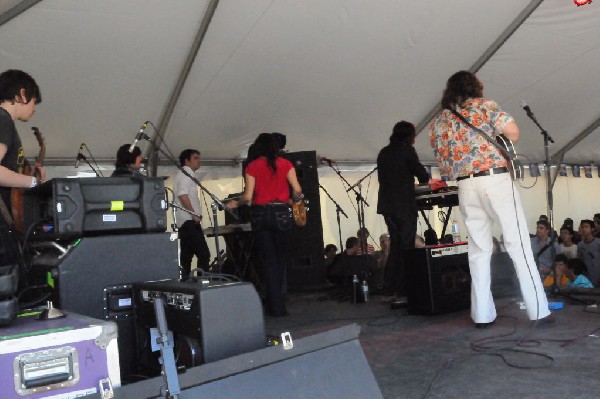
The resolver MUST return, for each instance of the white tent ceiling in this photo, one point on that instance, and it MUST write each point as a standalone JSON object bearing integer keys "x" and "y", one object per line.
{"x": 334, "y": 75}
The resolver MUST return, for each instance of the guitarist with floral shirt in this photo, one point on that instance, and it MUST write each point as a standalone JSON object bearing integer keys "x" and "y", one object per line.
{"x": 486, "y": 192}
{"x": 19, "y": 95}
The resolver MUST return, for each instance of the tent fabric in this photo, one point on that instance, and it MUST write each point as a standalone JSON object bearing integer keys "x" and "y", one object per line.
{"x": 333, "y": 75}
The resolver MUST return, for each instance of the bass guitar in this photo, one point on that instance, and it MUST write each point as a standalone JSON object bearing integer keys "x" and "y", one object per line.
{"x": 16, "y": 194}
{"x": 299, "y": 211}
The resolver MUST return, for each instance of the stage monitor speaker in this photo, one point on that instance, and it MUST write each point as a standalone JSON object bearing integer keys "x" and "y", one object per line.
{"x": 95, "y": 276}
{"x": 330, "y": 365}
{"x": 305, "y": 245}
{"x": 504, "y": 278}
{"x": 438, "y": 279}
{"x": 66, "y": 208}
{"x": 210, "y": 320}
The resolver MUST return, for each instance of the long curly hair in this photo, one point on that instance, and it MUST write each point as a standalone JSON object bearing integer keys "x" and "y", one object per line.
{"x": 460, "y": 86}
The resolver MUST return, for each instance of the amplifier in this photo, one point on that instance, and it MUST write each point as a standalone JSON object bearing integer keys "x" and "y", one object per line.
{"x": 62, "y": 207}
{"x": 210, "y": 321}
{"x": 438, "y": 279}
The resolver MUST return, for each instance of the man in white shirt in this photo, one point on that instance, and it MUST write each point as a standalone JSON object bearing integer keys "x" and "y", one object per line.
{"x": 191, "y": 237}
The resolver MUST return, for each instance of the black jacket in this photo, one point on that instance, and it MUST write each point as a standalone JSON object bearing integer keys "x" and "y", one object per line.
{"x": 397, "y": 166}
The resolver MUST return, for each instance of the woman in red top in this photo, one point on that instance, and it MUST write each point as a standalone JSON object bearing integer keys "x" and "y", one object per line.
{"x": 267, "y": 187}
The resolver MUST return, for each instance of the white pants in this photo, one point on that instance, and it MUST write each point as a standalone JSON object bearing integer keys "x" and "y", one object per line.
{"x": 484, "y": 200}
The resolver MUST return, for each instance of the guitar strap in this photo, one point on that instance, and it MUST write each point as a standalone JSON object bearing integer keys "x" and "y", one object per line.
{"x": 6, "y": 215}
{"x": 484, "y": 135}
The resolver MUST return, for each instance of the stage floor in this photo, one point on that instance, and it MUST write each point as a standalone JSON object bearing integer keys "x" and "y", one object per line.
{"x": 445, "y": 356}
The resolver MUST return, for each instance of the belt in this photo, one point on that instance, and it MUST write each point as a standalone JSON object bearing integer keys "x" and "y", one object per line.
{"x": 489, "y": 172}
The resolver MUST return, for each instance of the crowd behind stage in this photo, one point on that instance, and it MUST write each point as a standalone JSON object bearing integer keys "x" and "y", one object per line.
{"x": 575, "y": 255}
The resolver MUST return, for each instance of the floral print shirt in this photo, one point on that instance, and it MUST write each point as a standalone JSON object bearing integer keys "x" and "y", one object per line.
{"x": 459, "y": 150}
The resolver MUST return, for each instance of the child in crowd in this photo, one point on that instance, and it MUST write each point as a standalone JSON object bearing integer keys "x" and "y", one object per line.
{"x": 574, "y": 271}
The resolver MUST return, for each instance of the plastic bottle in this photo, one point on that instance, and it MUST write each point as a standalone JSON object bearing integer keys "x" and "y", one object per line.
{"x": 365, "y": 291}
{"x": 455, "y": 231}
{"x": 354, "y": 288}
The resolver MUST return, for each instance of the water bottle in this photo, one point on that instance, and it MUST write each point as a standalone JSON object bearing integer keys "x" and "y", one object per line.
{"x": 455, "y": 231}
{"x": 365, "y": 291}
{"x": 354, "y": 288}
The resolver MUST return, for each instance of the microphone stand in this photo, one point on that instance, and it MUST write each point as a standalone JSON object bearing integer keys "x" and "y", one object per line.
{"x": 338, "y": 210}
{"x": 549, "y": 195}
{"x": 81, "y": 156}
{"x": 99, "y": 172}
{"x": 217, "y": 203}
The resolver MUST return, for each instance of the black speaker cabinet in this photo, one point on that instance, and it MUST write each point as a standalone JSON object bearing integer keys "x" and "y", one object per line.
{"x": 63, "y": 208}
{"x": 438, "y": 279}
{"x": 210, "y": 320}
{"x": 94, "y": 278}
{"x": 305, "y": 245}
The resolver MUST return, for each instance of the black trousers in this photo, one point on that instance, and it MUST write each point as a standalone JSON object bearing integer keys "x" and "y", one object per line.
{"x": 192, "y": 242}
{"x": 270, "y": 224}
{"x": 402, "y": 228}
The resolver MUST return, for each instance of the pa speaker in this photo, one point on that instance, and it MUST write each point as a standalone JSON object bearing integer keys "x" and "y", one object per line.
{"x": 438, "y": 279}
{"x": 305, "y": 244}
{"x": 210, "y": 320}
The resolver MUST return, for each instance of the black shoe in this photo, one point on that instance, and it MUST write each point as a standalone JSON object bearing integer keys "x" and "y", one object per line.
{"x": 484, "y": 325}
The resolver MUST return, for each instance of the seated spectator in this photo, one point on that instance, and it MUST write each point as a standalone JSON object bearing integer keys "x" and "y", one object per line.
{"x": 364, "y": 246}
{"x": 560, "y": 264}
{"x": 597, "y": 225}
{"x": 543, "y": 248}
{"x": 567, "y": 246}
{"x": 545, "y": 218}
{"x": 381, "y": 256}
{"x": 588, "y": 250}
{"x": 329, "y": 253}
{"x": 342, "y": 267}
{"x": 574, "y": 271}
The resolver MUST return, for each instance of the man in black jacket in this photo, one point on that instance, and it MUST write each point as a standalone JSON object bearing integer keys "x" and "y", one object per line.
{"x": 397, "y": 165}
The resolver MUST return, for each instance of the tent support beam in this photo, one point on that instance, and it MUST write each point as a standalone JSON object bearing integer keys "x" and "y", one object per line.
{"x": 165, "y": 118}
{"x": 557, "y": 158}
{"x": 496, "y": 45}
{"x": 16, "y": 10}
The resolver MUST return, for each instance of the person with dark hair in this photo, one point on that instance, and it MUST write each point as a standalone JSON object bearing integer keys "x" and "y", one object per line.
{"x": 543, "y": 247}
{"x": 588, "y": 250}
{"x": 268, "y": 179}
{"x": 486, "y": 192}
{"x": 19, "y": 95}
{"x": 397, "y": 166}
{"x": 191, "y": 237}
{"x": 596, "y": 220}
{"x": 567, "y": 244}
{"x": 560, "y": 265}
{"x": 575, "y": 272}
{"x": 128, "y": 163}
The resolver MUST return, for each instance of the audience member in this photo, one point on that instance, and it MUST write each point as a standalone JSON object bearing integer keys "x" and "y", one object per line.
{"x": 567, "y": 246}
{"x": 419, "y": 241}
{"x": 329, "y": 254}
{"x": 337, "y": 272}
{"x": 560, "y": 264}
{"x": 363, "y": 238}
{"x": 588, "y": 249}
{"x": 377, "y": 273}
{"x": 543, "y": 248}
{"x": 597, "y": 225}
{"x": 574, "y": 270}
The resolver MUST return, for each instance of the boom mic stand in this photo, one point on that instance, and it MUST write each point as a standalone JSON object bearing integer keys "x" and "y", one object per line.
{"x": 217, "y": 203}
{"x": 549, "y": 195}
{"x": 338, "y": 210}
{"x": 83, "y": 157}
{"x": 98, "y": 171}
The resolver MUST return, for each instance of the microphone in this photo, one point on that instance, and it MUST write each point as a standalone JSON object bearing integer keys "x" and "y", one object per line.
{"x": 80, "y": 156}
{"x": 525, "y": 107}
{"x": 139, "y": 136}
{"x": 325, "y": 159}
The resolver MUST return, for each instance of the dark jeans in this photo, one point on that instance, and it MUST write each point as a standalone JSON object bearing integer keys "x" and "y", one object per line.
{"x": 270, "y": 224}
{"x": 402, "y": 228}
{"x": 192, "y": 242}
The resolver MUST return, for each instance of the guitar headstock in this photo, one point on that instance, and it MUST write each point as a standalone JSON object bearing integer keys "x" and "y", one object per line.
{"x": 38, "y": 136}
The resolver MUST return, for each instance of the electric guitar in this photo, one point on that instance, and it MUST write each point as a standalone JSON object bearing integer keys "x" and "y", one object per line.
{"x": 514, "y": 165}
{"x": 299, "y": 211}
{"x": 16, "y": 194}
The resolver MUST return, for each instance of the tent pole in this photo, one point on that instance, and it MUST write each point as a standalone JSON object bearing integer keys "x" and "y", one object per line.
{"x": 16, "y": 10}
{"x": 496, "y": 45}
{"x": 157, "y": 139}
